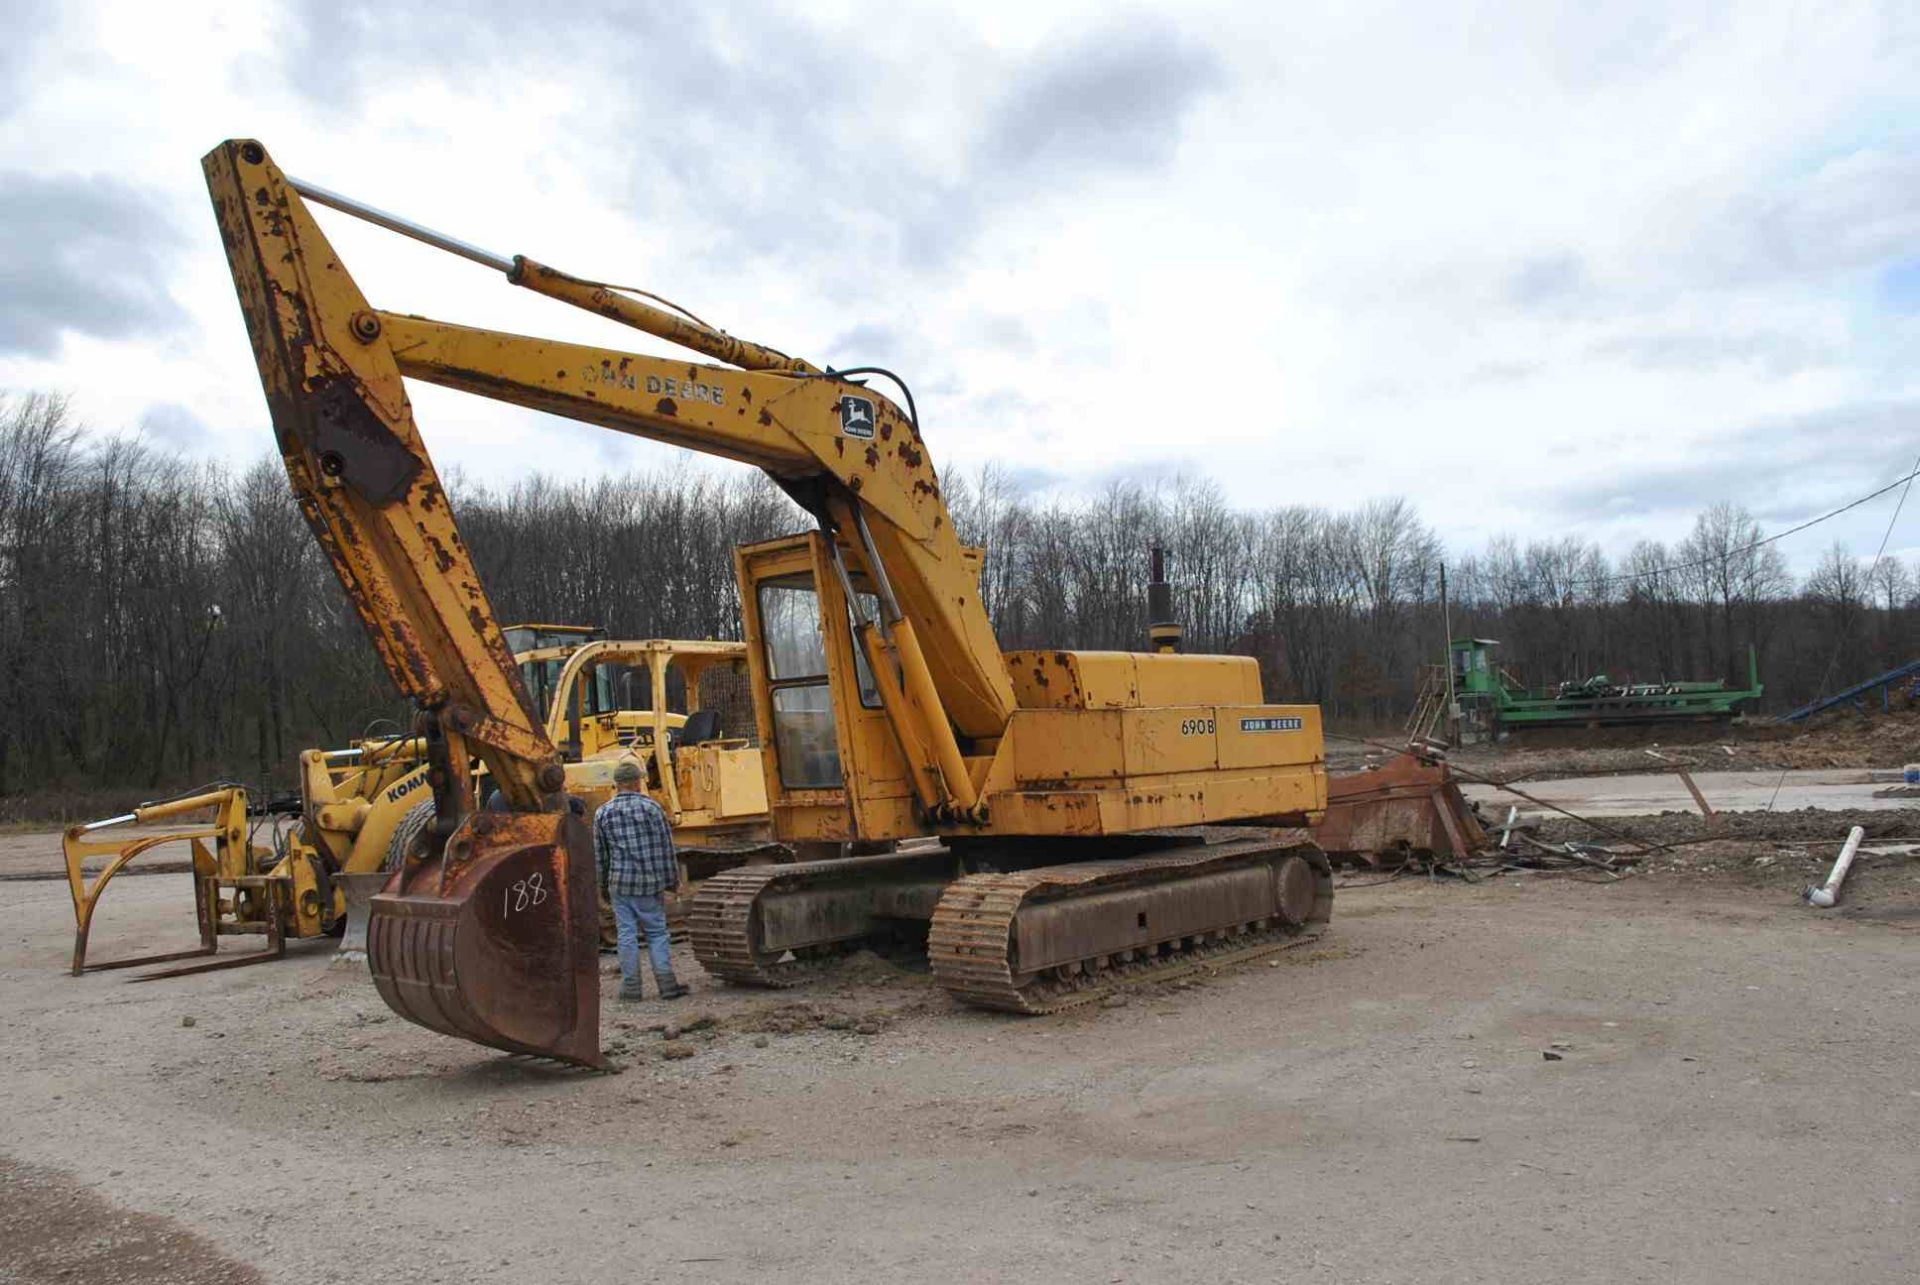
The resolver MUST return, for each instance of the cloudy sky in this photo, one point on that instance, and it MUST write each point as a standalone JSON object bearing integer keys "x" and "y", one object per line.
{"x": 1543, "y": 268}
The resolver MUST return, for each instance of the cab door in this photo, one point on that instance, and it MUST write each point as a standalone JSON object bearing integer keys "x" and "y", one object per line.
{"x": 834, "y": 771}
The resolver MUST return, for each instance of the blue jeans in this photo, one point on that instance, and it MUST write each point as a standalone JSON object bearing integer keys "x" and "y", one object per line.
{"x": 635, "y": 918}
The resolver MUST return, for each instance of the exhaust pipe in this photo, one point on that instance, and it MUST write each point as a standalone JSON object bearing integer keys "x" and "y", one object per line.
{"x": 1829, "y": 892}
{"x": 1163, "y": 630}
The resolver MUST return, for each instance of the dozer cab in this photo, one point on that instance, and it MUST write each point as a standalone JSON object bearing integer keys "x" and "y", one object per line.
{"x": 1096, "y": 817}
{"x": 608, "y": 699}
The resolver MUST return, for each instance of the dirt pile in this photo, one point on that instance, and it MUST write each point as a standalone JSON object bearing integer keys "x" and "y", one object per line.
{"x": 1780, "y": 852}
{"x": 1843, "y": 739}
{"x": 1807, "y": 825}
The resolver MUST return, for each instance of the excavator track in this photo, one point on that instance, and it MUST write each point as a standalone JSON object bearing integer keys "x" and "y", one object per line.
{"x": 977, "y": 930}
{"x": 726, "y": 922}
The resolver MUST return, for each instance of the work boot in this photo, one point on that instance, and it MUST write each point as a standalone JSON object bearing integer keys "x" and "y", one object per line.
{"x": 631, "y": 990}
{"x": 670, "y": 987}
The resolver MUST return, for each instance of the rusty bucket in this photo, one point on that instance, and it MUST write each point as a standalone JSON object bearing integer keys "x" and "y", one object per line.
{"x": 1408, "y": 805}
{"x": 496, "y": 941}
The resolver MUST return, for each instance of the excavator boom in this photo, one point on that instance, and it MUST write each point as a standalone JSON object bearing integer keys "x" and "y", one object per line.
{"x": 886, "y": 708}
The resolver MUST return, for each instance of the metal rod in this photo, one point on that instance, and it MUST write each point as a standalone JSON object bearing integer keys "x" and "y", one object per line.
{"x": 888, "y": 603}
{"x": 332, "y": 755}
{"x": 840, "y": 570}
{"x": 1446, "y": 659}
{"x": 405, "y": 227}
{"x": 119, "y": 820}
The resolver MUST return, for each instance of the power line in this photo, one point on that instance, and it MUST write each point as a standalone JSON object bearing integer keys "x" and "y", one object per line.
{"x": 1834, "y": 659}
{"x": 1745, "y": 548}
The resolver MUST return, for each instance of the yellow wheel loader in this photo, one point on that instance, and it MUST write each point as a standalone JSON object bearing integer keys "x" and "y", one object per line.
{"x": 352, "y": 803}
{"x": 1097, "y": 817}
{"x": 361, "y": 809}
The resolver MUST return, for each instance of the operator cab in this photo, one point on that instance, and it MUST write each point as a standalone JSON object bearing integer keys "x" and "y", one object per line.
{"x": 542, "y": 652}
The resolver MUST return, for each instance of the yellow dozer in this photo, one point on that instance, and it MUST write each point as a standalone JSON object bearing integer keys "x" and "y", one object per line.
{"x": 1095, "y": 818}
{"x": 707, "y": 777}
{"x": 362, "y": 809}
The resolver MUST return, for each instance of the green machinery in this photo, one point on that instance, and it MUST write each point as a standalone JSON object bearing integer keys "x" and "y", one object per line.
{"x": 1490, "y": 699}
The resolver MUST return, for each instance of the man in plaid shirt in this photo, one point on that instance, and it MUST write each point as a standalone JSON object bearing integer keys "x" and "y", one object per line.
{"x": 633, "y": 849}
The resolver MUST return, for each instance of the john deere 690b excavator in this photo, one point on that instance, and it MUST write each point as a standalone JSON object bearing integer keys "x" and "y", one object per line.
{"x": 1101, "y": 816}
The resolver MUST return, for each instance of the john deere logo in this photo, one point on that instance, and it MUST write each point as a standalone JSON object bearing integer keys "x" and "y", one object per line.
{"x": 856, "y": 416}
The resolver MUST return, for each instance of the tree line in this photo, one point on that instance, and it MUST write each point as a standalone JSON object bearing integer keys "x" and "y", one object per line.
{"x": 165, "y": 622}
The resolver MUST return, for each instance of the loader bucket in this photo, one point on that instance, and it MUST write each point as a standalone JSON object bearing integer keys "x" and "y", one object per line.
{"x": 496, "y": 940}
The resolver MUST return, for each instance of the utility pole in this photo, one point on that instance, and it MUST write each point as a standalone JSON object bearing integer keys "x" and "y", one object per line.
{"x": 1446, "y": 660}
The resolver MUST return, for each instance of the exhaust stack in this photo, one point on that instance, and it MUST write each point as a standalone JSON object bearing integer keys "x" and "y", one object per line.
{"x": 1163, "y": 631}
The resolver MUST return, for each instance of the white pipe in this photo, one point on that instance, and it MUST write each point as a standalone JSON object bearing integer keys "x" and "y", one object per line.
{"x": 405, "y": 227}
{"x": 1828, "y": 893}
{"x": 333, "y": 756}
{"x": 101, "y": 825}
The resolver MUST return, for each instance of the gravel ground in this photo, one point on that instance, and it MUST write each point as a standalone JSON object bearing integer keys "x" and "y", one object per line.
{"x": 1685, "y": 1075}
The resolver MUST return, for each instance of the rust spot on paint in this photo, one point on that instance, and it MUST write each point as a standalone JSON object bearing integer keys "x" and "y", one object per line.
{"x": 913, "y": 457}
{"x": 766, "y": 416}
{"x": 886, "y": 430}
{"x": 873, "y": 457}
{"x": 666, "y": 406}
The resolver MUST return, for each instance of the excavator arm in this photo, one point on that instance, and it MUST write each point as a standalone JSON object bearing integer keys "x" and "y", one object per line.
{"x": 495, "y": 901}
{"x": 333, "y": 369}
{"x": 1140, "y": 805}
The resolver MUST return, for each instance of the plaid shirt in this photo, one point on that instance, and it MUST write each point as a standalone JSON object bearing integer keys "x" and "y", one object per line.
{"x": 633, "y": 847}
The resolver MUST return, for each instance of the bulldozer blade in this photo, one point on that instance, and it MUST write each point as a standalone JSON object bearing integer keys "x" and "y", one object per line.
{"x": 358, "y": 890}
{"x": 496, "y": 940}
{"x": 1407, "y": 805}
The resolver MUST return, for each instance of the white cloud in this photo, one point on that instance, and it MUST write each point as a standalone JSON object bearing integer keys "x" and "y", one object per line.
{"x": 1492, "y": 260}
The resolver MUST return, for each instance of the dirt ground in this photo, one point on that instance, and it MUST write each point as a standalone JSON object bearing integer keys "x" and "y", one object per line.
{"x": 1684, "y": 1075}
{"x": 1842, "y": 739}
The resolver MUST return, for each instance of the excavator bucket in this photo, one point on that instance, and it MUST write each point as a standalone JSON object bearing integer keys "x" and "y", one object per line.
{"x": 1408, "y": 805}
{"x": 496, "y": 940}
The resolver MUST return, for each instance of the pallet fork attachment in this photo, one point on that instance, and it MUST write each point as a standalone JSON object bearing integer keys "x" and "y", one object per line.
{"x": 214, "y": 869}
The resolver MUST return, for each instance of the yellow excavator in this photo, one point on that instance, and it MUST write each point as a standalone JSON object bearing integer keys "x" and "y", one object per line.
{"x": 360, "y": 809}
{"x": 1098, "y": 817}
